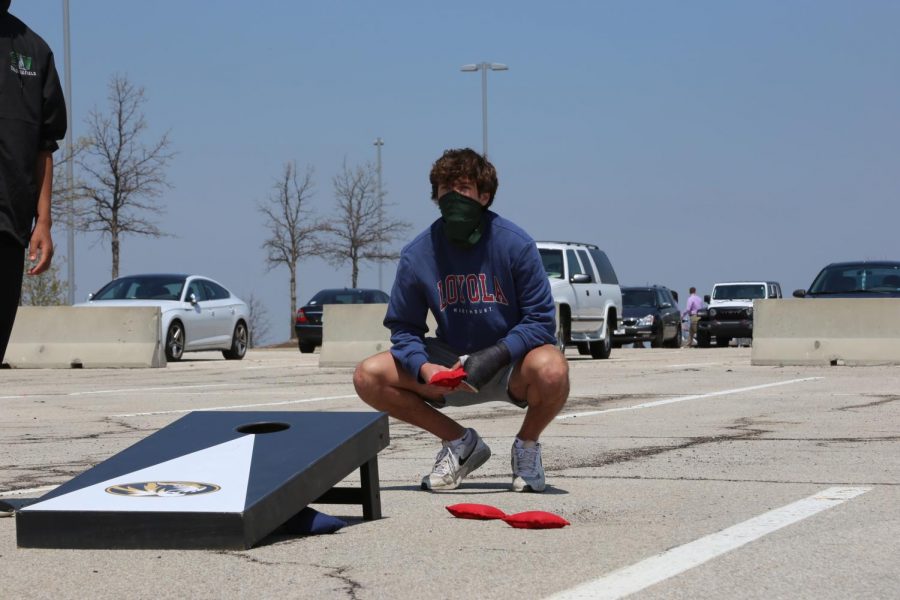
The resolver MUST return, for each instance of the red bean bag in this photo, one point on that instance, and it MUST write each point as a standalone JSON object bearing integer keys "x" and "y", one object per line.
{"x": 448, "y": 379}
{"x": 535, "y": 519}
{"x": 482, "y": 512}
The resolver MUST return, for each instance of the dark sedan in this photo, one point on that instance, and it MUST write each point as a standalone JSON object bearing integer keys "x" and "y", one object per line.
{"x": 308, "y": 323}
{"x": 861, "y": 279}
{"x": 650, "y": 314}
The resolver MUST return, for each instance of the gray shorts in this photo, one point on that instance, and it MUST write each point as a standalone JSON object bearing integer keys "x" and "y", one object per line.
{"x": 495, "y": 390}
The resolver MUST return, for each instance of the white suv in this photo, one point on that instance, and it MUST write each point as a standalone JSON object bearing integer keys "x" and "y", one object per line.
{"x": 587, "y": 295}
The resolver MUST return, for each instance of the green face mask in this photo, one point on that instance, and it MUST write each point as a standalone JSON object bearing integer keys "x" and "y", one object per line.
{"x": 462, "y": 218}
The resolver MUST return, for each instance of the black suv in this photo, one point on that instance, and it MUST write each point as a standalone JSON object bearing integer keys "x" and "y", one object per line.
{"x": 651, "y": 314}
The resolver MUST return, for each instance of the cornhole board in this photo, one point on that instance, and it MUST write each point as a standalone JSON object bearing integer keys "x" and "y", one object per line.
{"x": 222, "y": 480}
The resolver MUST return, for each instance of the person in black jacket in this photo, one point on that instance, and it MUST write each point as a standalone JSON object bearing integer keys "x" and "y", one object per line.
{"x": 32, "y": 119}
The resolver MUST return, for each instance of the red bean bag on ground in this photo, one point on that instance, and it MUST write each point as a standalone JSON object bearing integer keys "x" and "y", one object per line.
{"x": 481, "y": 512}
{"x": 536, "y": 519}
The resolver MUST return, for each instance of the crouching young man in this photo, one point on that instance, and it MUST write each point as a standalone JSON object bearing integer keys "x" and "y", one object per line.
{"x": 482, "y": 278}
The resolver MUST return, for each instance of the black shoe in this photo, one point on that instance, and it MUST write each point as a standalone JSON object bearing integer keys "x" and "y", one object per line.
{"x": 6, "y": 509}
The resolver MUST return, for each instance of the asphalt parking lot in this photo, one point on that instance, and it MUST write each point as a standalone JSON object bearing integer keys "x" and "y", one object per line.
{"x": 684, "y": 474}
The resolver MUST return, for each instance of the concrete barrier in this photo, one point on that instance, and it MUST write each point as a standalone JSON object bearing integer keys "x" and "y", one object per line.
{"x": 352, "y": 332}
{"x": 826, "y": 331}
{"x": 63, "y": 337}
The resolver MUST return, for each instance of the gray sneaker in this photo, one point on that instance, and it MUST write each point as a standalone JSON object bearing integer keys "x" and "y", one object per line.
{"x": 528, "y": 471}
{"x": 452, "y": 465}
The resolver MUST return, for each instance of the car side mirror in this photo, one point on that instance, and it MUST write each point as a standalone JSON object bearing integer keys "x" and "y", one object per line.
{"x": 799, "y": 293}
{"x": 580, "y": 278}
{"x": 193, "y": 299}
{"x": 90, "y": 296}
{"x": 706, "y": 298}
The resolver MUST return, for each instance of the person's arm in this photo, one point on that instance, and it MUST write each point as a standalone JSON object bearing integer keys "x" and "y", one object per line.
{"x": 538, "y": 323}
{"x": 40, "y": 248}
{"x": 405, "y": 317}
{"x": 53, "y": 128}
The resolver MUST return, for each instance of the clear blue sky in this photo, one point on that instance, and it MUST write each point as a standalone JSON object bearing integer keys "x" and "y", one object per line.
{"x": 693, "y": 141}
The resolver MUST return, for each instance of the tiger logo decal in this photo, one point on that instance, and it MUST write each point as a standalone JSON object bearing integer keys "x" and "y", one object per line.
{"x": 165, "y": 489}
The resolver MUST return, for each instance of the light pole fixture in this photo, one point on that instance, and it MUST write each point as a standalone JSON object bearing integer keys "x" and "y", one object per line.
{"x": 70, "y": 203}
{"x": 378, "y": 144}
{"x": 484, "y": 67}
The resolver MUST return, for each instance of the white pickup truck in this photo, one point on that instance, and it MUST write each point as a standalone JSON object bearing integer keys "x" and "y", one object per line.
{"x": 587, "y": 296}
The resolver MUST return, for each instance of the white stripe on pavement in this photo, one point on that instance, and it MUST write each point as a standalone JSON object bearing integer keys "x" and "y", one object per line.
{"x": 151, "y": 389}
{"x": 683, "y": 398}
{"x": 672, "y": 562}
{"x": 187, "y": 410}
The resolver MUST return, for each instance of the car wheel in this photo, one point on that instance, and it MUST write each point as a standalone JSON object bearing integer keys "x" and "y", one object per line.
{"x": 703, "y": 339}
{"x": 603, "y": 348}
{"x": 306, "y": 347}
{"x": 675, "y": 342}
{"x": 583, "y": 348}
{"x": 659, "y": 337}
{"x": 722, "y": 341}
{"x": 239, "y": 342}
{"x": 175, "y": 341}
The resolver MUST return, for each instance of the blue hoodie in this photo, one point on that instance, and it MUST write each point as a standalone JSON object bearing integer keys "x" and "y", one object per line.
{"x": 495, "y": 291}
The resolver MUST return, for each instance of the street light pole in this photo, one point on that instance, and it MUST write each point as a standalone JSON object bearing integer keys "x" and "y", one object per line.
{"x": 70, "y": 202}
{"x": 484, "y": 67}
{"x": 378, "y": 144}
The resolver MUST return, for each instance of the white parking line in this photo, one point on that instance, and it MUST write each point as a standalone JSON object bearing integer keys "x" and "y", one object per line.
{"x": 151, "y": 389}
{"x": 684, "y": 398}
{"x": 672, "y": 562}
{"x": 140, "y": 389}
{"x": 187, "y": 410}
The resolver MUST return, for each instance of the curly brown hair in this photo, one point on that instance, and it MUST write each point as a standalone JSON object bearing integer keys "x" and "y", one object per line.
{"x": 459, "y": 163}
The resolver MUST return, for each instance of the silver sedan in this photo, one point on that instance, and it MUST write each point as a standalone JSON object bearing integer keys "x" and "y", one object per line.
{"x": 197, "y": 313}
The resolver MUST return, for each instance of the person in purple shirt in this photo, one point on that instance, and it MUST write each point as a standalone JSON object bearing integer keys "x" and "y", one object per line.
{"x": 482, "y": 278}
{"x": 694, "y": 304}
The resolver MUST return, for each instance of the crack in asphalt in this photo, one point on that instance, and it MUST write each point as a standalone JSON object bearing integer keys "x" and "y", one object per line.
{"x": 120, "y": 427}
{"x": 47, "y": 475}
{"x": 885, "y": 399}
{"x": 252, "y": 559}
{"x": 621, "y": 456}
{"x": 351, "y": 586}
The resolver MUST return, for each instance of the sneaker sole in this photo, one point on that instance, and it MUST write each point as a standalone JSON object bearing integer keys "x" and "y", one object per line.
{"x": 475, "y": 460}
{"x": 527, "y": 488}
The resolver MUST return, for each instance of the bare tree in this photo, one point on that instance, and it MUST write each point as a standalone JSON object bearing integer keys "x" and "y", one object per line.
{"x": 259, "y": 320}
{"x": 46, "y": 289}
{"x": 292, "y": 224}
{"x": 360, "y": 230}
{"x": 124, "y": 176}
{"x": 59, "y": 207}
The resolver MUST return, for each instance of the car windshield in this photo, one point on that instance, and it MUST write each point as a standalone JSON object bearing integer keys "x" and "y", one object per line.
{"x": 142, "y": 287}
{"x": 349, "y": 296}
{"x": 844, "y": 279}
{"x": 553, "y": 262}
{"x": 638, "y": 298}
{"x": 739, "y": 291}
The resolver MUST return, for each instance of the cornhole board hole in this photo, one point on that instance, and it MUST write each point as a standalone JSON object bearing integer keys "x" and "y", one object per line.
{"x": 222, "y": 480}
